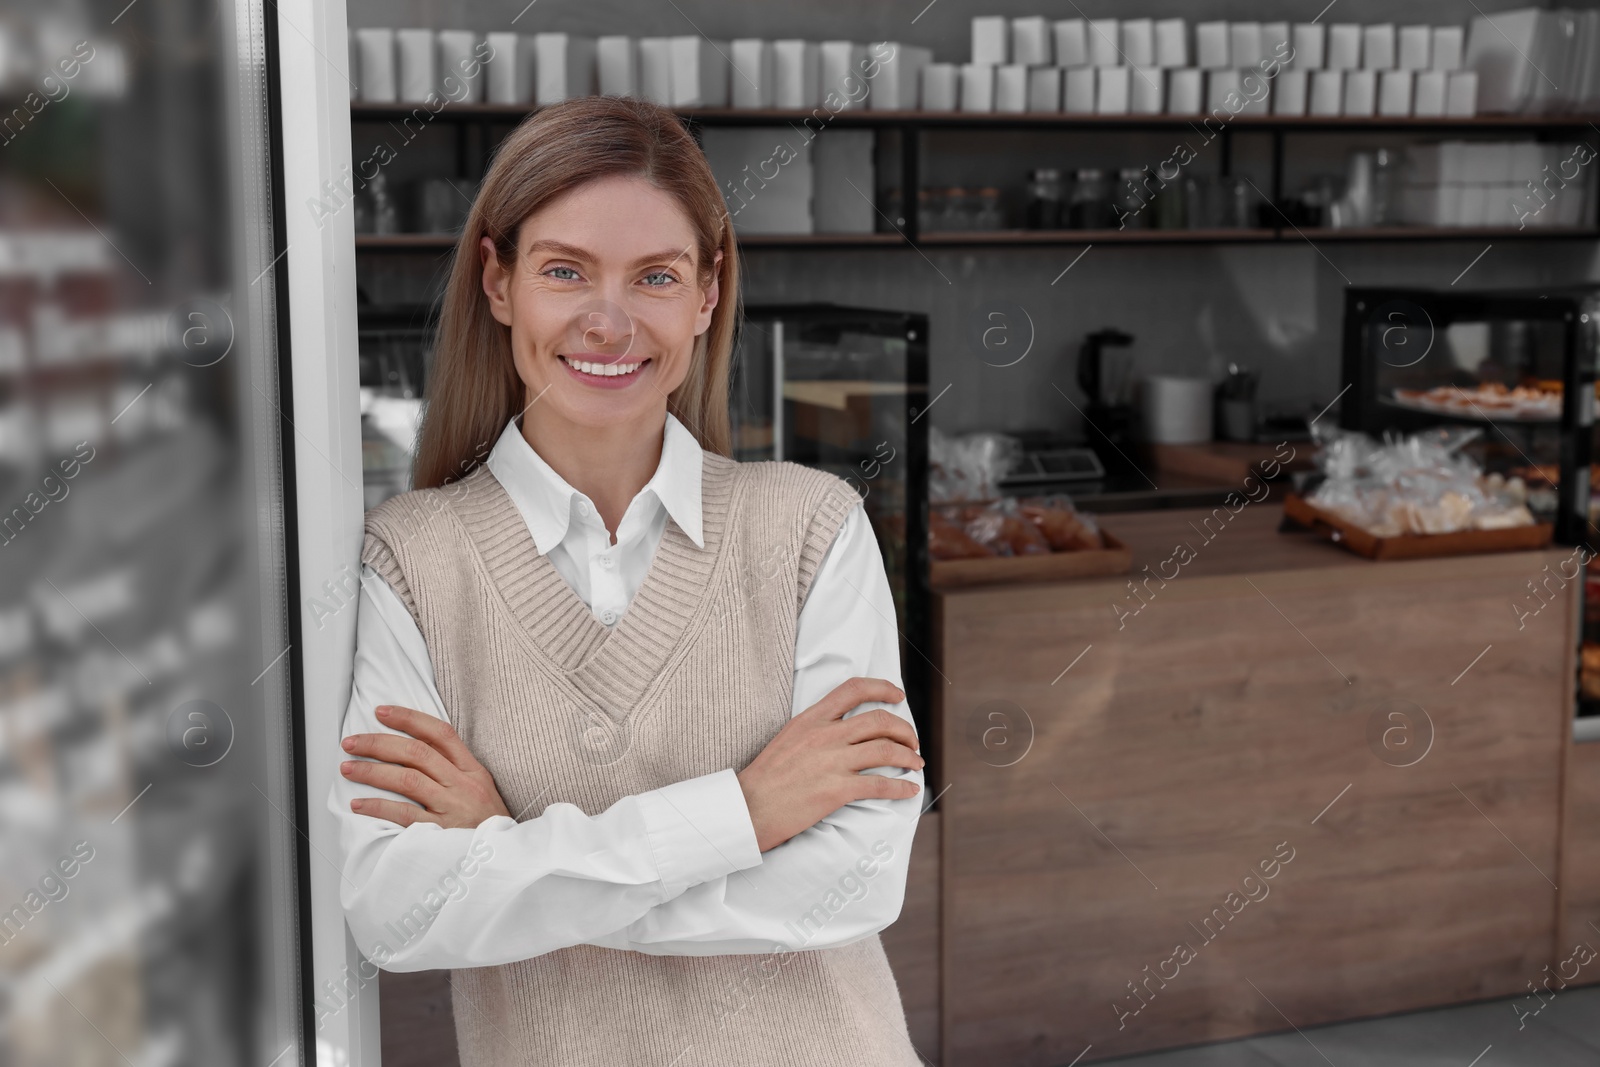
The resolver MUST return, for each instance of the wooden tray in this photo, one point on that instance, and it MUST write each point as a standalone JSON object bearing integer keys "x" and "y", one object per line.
{"x": 1413, "y": 546}
{"x": 1115, "y": 558}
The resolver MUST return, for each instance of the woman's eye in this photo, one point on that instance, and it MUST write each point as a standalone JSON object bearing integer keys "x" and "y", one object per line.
{"x": 659, "y": 277}
{"x": 566, "y": 274}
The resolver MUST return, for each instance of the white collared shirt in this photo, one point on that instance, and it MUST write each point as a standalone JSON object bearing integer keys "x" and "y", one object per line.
{"x": 673, "y": 871}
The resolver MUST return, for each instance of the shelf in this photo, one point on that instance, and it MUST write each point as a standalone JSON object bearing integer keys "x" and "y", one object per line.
{"x": 513, "y": 113}
{"x": 443, "y": 242}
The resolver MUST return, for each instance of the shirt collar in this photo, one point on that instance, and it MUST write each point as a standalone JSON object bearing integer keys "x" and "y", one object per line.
{"x": 545, "y": 499}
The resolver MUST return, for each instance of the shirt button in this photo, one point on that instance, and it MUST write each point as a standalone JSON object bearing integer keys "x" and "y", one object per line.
{"x": 584, "y": 508}
{"x": 607, "y": 562}
{"x": 608, "y": 616}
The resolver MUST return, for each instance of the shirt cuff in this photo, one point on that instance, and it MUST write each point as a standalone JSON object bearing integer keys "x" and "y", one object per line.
{"x": 699, "y": 830}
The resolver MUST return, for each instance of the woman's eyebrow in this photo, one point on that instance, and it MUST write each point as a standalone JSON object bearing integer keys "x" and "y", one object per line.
{"x": 561, "y": 248}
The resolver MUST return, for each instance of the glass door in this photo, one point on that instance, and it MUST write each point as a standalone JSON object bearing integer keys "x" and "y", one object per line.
{"x": 150, "y": 888}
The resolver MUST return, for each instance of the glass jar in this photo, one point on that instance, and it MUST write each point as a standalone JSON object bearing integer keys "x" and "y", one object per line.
{"x": 1090, "y": 206}
{"x": 1385, "y": 186}
{"x": 958, "y": 209}
{"x": 1130, "y": 201}
{"x": 1197, "y": 204}
{"x": 987, "y": 211}
{"x": 930, "y": 210}
{"x": 1169, "y": 211}
{"x": 1044, "y": 199}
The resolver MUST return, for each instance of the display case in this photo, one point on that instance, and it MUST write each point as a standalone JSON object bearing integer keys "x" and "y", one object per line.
{"x": 843, "y": 390}
{"x": 1520, "y": 366}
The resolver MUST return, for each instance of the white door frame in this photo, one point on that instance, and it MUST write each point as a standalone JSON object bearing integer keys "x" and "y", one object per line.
{"x": 314, "y": 79}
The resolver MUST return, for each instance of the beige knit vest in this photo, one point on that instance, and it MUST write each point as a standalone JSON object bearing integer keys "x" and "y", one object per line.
{"x": 696, "y": 677}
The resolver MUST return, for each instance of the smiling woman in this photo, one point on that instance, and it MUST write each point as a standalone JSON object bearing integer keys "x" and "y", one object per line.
{"x": 563, "y": 665}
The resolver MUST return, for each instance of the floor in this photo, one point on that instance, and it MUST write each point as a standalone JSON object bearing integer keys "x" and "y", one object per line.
{"x": 1566, "y": 1032}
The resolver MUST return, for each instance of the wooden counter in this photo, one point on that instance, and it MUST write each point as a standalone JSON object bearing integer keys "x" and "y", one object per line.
{"x": 1159, "y": 757}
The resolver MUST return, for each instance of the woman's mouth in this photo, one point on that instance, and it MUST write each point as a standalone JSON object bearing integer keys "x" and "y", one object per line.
{"x": 608, "y": 372}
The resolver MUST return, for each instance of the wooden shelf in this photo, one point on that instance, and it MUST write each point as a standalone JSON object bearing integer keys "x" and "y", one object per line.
{"x": 513, "y": 113}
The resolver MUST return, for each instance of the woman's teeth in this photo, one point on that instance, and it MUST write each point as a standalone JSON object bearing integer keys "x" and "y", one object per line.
{"x": 606, "y": 370}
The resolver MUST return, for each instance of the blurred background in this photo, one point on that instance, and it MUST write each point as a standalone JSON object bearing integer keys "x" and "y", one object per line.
{"x": 148, "y": 890}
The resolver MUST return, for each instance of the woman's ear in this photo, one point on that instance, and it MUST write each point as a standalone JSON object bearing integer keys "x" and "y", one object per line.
{"x": 496, "y": 282}
{"x": 713, "y": 293}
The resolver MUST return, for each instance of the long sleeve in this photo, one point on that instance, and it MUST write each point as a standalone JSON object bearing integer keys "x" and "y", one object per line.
{"x": 423, "y": 896}
{"x": 844, "y": 878}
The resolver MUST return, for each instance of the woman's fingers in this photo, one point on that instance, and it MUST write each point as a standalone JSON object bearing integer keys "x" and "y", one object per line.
{"x": 879, "y": 723}
{"x": 882, "y": 787}
{"x": 404, "y": 751}
{"x": 882, "y": 752}
{"x": 394, "y": 811}
{"x": 407, "y": 781}
{"x": 852, "y": 693}
{"x": 430, "y": 728}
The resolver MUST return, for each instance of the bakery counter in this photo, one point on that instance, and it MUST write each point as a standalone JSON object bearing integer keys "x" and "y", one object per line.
{"x": 1257, "y": 782}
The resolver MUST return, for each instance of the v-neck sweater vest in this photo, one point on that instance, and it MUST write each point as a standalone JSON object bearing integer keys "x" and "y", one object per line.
{"x": 696, "y": 677}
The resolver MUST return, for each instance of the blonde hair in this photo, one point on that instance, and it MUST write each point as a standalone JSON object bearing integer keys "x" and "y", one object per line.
{"x": 473, "y": 387}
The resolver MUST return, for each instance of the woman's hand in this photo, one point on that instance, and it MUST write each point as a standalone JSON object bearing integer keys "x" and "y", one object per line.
{"x": 432, "y": 767}
{"x": 812, "y": 768}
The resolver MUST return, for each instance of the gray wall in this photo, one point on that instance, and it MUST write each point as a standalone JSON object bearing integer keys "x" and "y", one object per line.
{"x": 1192, "y": 309}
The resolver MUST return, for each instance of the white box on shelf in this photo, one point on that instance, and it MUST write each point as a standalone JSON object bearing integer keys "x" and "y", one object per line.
{"x": 842, "y": 170}
{"x": 1310, "y": 45}
{"x": 1104, "y": 48}
{"x": 379, "y": 84}
{"x": 1146, "y": 90}
{"x": 1011, "y": 88}
{"x": 1327, "y": 92}
{"x": 564, "y": 67}
{"x": 699, "y": 72}
{"x": 1289, "y": 91}
{"x": 991, "y": 40}
{"x": 894, "y": 87}
{"x": 616, "y": 59}
{"x": 1450, "y": 203}
{"x": 1461, "y": 94}
{"x": 1427, "y": 101}
{"x": 1425, "y": 162}
{"x": 1044, "y": 89}
{"x": 1211, "y": 45}
{"x": 1394, "y": 93}
{"x": 1377, "y": 46}
{"x": 1512, "y": 204}
{"x": 1502, "y": 50}
{"x": 1474, "y": 209}
{"x": 796, "y": 74}
{"x": 1111, "y": 91}
{"x": 941, "y": 87}
{"x": 1184, "y": 90}
{"x": 1256, "y": 88}
{"x": 1071, "y": 42}
{"x": 1139, "y": 42}
{"x": 844, "y": 82}
{"x": 1031, "y": 43}
{"x": 1416, "y": 47}
{"x": 1344, "y": 46}
{"x": 460, "y": 66}
{"x": 749, "y": 73}
{"x": 756, "y": 203}
{"x": 1527, "y": 160}
{"x": 1276, "y": 43}
{"x": 1481, "y": 162}
{"x": 510, "y": 69}
{"x": 977, "y": 87}
{"x": 418, "y": 51}
{"x": 1360, "y": 92}
{"x": 1077, "y": 94}
{"x": 1424, "y": 205}
{"x": 1219, "y": 85}
{"x": 1172, "y": 43}
{"x": 655, "y": 70}
{"x": 1572, "y": 206}
{"x": 1244, "y": 44}
{"x": 1447, "y": 45}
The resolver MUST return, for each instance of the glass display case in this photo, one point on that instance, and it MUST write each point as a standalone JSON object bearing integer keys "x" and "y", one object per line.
{"x": 843, "y": 390}
{"x": 1520, "y": 366}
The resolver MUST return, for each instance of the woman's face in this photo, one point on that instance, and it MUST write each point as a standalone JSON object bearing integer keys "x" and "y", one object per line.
{"x": 603, "y": 303}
